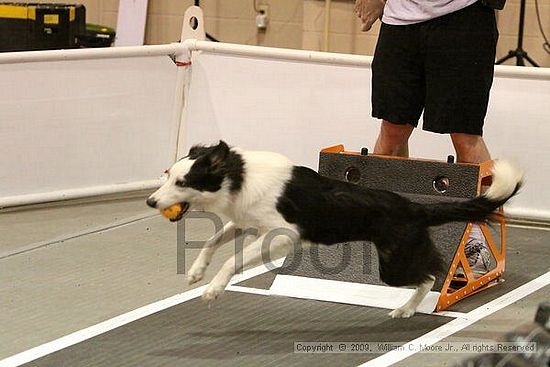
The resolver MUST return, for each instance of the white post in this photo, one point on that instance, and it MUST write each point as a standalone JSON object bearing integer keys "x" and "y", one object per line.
{"x": 131, "y": 21}
{"x": 192, "y": 30}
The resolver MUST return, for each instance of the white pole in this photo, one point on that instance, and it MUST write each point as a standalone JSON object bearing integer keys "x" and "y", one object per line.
{"x": 192, "y": 28}
{"x": 337, "y": 58}
{"x": 187, "y": 46}
{"x": 92, "y": 53}
{"x": 45, "y": 197}
{"x": 278, "y": 53}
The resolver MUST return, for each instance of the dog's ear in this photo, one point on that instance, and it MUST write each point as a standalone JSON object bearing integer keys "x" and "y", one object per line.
{"x": 219, "y": 154}
{"x": 195, "y": 151}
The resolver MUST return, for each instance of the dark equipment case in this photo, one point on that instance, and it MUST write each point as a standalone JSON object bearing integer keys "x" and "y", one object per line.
{"x": 40, "y": 26}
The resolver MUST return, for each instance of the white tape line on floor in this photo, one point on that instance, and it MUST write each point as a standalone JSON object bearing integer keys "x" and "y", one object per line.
{"x": 460, "y": 323}
{"x": 107, "y": 325}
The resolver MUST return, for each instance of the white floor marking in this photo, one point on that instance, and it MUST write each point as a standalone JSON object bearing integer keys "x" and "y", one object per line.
{"x": 236, "y": 288}
{"x": 350, "y": 293}
{"x": 267, "y": 292}
{"x": 107, "y": 325}
{"x": 458, "y": 324}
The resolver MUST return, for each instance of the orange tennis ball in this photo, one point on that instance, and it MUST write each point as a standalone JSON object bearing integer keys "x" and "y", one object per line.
{"x": 172, "y": 212}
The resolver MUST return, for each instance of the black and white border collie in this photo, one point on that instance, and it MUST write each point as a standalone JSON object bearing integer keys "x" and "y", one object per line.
{"x": 265, "y": 191}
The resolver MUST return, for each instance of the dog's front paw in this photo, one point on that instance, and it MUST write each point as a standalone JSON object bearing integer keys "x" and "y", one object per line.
{"x": 195, "y": 274}
{"x": 403, "y": 312}
{"x": 212, "y": 293}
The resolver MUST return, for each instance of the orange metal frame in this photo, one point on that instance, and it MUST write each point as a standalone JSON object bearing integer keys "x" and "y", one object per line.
{"x": 456, "y": 287}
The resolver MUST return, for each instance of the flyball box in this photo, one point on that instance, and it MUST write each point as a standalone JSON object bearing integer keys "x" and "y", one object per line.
{"x": 421, "y": 181}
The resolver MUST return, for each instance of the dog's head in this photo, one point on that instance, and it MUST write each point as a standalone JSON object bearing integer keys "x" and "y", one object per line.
{"x": 202, "y": 179}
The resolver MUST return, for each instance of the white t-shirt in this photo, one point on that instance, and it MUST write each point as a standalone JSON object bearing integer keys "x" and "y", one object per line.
{"x": 402, "y": 12}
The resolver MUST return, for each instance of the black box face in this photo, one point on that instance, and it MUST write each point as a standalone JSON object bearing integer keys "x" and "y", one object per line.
{"x": 40, "y": 26}
{"x": 405, "y": 176}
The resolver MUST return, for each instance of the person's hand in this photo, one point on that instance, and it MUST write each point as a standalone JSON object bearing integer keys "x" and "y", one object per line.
{"x": 369, "y": 11}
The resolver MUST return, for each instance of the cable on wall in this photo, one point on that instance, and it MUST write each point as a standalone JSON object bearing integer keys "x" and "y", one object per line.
{"x": 546, "y": 44}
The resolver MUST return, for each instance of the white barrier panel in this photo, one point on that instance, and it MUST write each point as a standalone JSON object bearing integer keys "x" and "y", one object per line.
{"x": 69, "y": 126}
{"x": 298, "y": 107}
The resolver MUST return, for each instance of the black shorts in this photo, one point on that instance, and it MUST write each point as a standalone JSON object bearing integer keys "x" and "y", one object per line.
{"x": 443, "y": 66}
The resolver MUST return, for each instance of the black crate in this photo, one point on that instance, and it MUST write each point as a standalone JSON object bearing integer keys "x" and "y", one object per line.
{"x": 34, "y": 26}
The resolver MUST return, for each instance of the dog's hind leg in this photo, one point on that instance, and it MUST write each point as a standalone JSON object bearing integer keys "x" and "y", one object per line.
{"x": 254, "y": 253}
{"x": 200, "y": 264}
{"x": 409, "y": 308}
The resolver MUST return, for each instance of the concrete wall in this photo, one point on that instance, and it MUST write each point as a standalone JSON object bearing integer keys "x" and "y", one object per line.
{"x": 299, "y": 24}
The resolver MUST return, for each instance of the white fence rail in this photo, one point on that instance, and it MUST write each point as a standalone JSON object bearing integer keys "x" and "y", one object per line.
{"x": 87, "y": 122}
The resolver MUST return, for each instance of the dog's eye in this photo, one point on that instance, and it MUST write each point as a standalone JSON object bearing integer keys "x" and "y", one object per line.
{"x": 180, "y": 183}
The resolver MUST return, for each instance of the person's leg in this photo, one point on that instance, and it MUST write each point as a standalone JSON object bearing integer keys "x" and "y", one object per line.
{"x": 458, "y": 83}
{"x": 393, "y": 139}
{"x": 470, "y": 148}
{"x": 398, "y": 87}
{"x": 459, "y": 79}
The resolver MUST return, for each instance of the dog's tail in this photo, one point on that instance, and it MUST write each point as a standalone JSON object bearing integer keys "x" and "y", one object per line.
{"x": 507, "y": 180}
